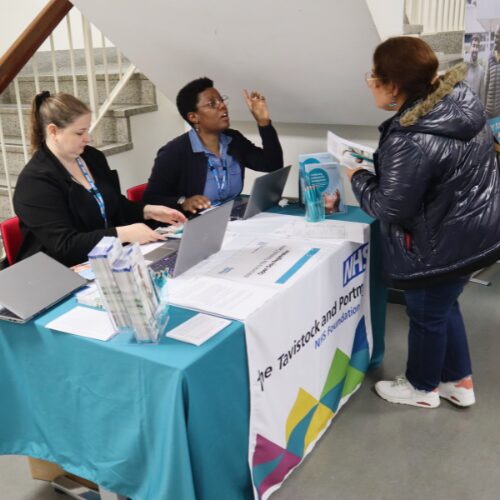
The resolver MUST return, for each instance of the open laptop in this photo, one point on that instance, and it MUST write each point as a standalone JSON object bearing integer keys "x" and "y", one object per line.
{"x": 266, "y": 192}
{"x": 33, "y": 285}
{"x": 201, "y": 237}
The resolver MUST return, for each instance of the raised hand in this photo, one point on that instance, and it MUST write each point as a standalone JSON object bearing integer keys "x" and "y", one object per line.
{"x": 257, "y": 105}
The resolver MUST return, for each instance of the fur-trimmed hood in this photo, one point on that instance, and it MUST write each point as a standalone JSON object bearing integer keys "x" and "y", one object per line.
{"x": 450, "y": 110}
{"x": 436, "y": 190}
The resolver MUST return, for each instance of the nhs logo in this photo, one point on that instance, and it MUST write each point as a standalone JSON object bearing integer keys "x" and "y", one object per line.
{"x": 355, "y": 264}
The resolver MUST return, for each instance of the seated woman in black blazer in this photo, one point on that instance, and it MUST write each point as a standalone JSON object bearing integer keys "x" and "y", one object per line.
{"x": 207, "y": 164}
{"x": 66, "y": 197}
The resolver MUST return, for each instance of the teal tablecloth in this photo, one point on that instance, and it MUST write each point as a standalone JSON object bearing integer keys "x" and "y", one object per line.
{"x": 167, "y": 421}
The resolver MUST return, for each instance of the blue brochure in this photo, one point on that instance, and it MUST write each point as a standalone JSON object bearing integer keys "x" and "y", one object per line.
{"x": 323, "y": 172}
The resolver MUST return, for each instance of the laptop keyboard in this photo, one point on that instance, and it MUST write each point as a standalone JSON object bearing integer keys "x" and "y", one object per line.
{"x": 166, "y": 263}
{"x": 238, "y": 210}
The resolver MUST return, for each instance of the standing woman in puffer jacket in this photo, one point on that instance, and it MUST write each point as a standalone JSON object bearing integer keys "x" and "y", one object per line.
{"x": 436, "y": 192}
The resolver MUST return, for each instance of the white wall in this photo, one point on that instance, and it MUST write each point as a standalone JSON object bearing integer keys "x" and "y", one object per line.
{"x": 149, "y": 132}
{"x": 388, "y": 16}
{"x": 308, "y": 58}
{"x": 15, "y": 20}
{"x": 152, "y": 130}
{"x": 306, "y": 138}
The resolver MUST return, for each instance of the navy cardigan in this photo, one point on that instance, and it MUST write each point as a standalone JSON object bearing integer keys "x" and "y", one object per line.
{"x": 178, "y": 171}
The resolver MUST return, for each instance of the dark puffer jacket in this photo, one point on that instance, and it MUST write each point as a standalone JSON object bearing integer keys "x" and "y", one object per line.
{"x": 437, "y": 188}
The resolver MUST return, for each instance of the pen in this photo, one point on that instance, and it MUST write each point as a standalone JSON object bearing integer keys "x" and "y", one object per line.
{"x": 360, "y": 157}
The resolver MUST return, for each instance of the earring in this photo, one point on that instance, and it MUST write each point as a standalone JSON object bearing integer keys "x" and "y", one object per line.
{"x": 393, "y": 102}
{"x": 196, "y": 127}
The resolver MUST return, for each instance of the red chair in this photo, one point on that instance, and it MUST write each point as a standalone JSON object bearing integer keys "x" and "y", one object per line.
{"x": 135, "y": 193}
{"x": 12, "y": 238}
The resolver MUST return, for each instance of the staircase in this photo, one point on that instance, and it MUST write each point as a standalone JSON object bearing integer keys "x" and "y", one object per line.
{"x": 138, "y": 96}
{"x": 440, "y": 24}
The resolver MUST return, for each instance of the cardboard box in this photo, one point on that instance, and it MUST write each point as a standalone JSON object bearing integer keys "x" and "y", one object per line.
{"x": 48, "y": 471}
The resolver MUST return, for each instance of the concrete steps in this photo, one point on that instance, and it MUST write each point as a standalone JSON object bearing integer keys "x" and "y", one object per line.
{"x": 137, "y": 97}
{"x": 139, "y": 90}
{"x": 115, "y": 124}
{"x": 412, "y": 29}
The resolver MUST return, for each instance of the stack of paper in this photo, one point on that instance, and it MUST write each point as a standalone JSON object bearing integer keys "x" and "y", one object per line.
{"x": 101, "y": 259}
{"x": 138, "y": 293}
{"x": 198, "y": 329}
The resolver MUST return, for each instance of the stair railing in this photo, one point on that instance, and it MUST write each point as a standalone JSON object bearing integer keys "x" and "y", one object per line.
{"x": 25, "y": 54}
{"x": 436, "y": 16}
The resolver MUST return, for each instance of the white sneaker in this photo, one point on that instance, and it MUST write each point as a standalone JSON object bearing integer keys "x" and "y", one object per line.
{"x": 459, "y": 392}
{"x": 402, "y": 392}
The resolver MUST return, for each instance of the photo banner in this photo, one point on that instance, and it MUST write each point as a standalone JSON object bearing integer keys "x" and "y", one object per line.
{"x": 482, "y": 56}
{"x": 308, "y": 351}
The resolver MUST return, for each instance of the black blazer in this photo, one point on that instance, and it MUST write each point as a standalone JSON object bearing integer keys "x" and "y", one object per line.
{"x": 178, "y": 171}
{"x": 60, "y": 217}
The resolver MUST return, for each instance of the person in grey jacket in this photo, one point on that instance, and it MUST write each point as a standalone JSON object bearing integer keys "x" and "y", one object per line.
{"x": 493, "y": 80}
{"x": 475, "y": 71}
{"x": 436, "y": 192}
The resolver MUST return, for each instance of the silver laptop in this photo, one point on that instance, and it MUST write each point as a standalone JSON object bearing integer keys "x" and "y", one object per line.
{"x": 33, "y": 285}
{"x": 266, "y": 192}
{"x": 201, "y": 237}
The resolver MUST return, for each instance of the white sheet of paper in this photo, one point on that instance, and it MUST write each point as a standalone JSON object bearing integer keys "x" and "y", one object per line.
{"x": 221, "y": 297}
{"x": 84, "y": 322}
{"x": 198, "y": 329}
{"x": 327, "y": 231}
{"x": 289, "y": 226}
{"x": 265, "y": 261}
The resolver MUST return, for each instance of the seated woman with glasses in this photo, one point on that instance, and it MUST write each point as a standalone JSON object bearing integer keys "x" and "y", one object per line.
{"x": 206, "y": 165}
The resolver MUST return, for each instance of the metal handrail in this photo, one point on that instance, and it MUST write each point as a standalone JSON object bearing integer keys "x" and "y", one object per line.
{"x": 31, "y": 39}
{"x": 25, "y": 47}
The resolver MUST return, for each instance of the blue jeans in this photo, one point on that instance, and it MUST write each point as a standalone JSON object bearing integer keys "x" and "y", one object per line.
{"x": 437, "y": 342}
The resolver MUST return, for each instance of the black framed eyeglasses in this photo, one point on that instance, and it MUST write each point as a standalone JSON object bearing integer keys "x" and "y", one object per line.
{"x": 215, "y": 103}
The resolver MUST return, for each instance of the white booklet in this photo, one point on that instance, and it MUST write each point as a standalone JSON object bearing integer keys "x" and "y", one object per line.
{"x": 350, "y": 154}
{"x": 84, "y": 322}
{"x": 198, "y": 329}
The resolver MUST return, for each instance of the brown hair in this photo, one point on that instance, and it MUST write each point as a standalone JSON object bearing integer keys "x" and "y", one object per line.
{"x": 409, "y": 63}
{"x": 59, "y": 109}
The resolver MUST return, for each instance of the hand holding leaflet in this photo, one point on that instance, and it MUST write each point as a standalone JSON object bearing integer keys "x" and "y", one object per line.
{"x": 350, "y": 154}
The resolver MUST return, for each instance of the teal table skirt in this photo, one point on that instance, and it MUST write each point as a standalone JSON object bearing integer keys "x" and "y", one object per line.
{"x": 152, "y": 422}
{"x": 167, "y": 421}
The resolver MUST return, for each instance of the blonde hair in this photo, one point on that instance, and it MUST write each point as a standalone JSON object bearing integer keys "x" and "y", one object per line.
{"x": 60, "y": 109}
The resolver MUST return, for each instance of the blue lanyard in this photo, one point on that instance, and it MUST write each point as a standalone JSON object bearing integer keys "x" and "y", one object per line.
{"x": 221, "y": 182}
{"x": 93, "y": 189}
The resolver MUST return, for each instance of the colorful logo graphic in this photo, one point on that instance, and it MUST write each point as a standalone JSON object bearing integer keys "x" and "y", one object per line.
{"x": 355, "y": 264}
{"x": 310, "y": 416}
